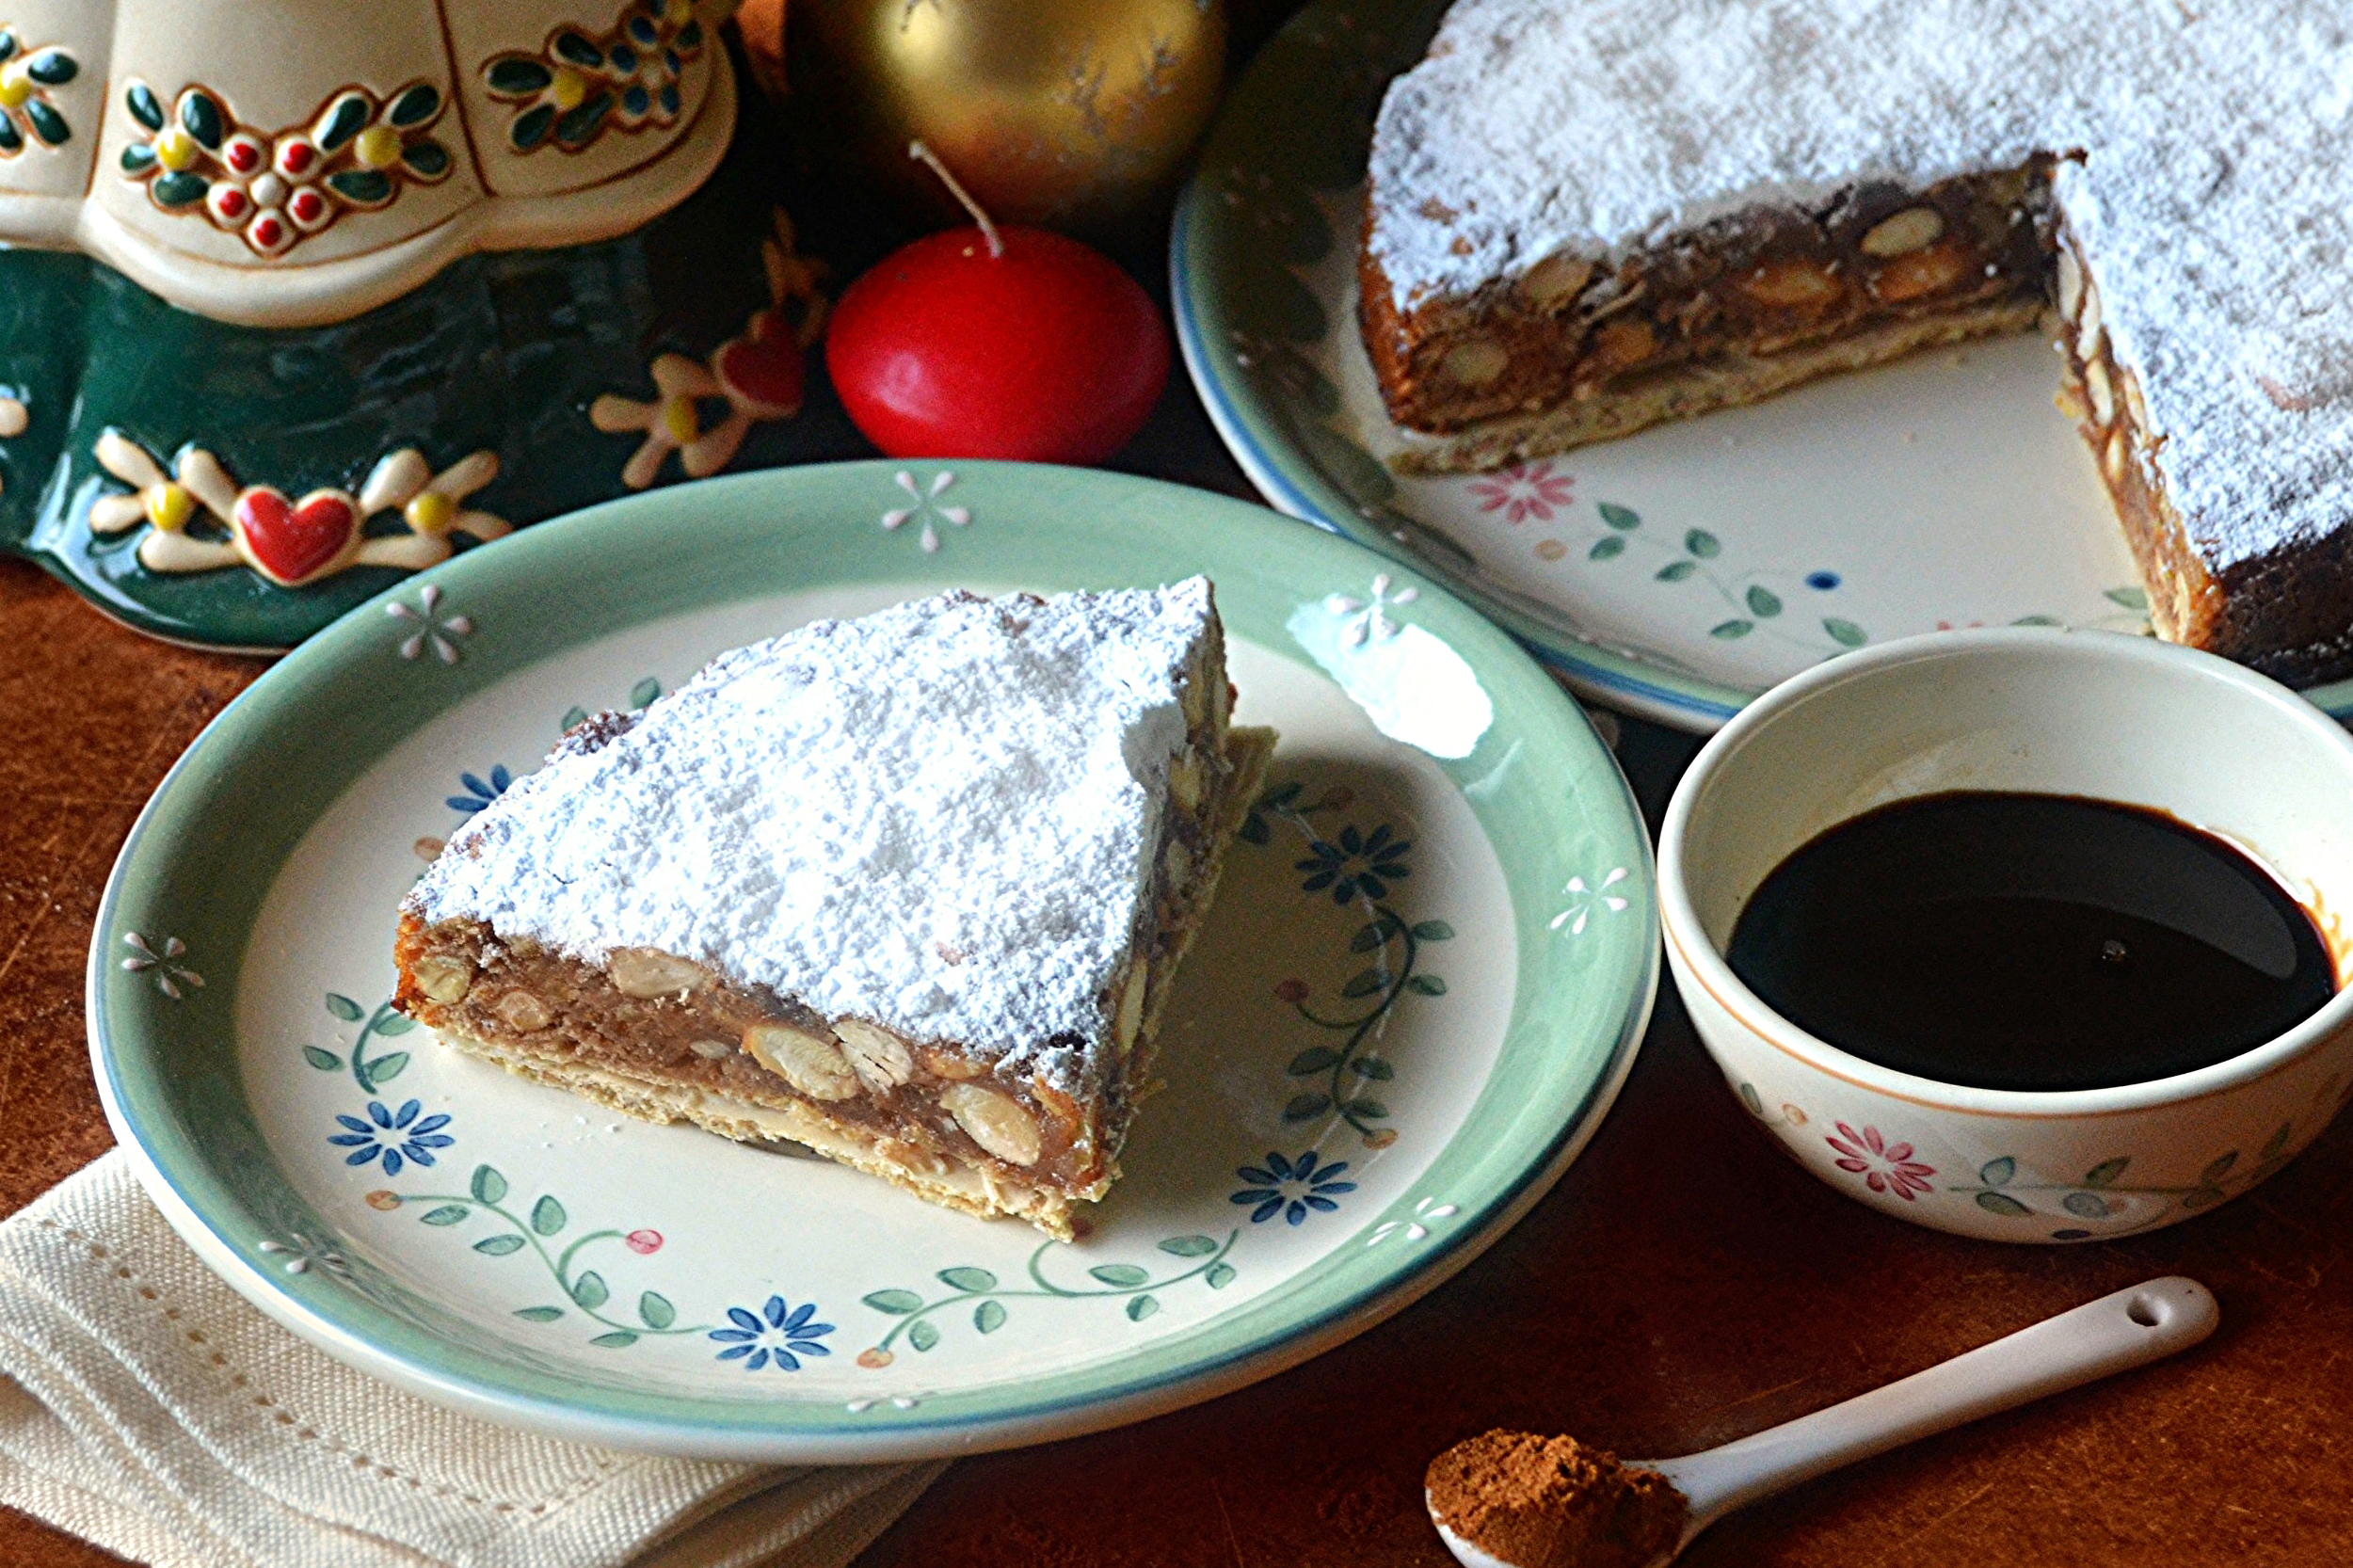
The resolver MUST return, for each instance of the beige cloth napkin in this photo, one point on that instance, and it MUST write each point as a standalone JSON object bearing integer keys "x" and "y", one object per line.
{"x": 149, "y": 1408}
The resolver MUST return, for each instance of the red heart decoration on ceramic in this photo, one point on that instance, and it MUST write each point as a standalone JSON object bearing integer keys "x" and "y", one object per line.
{"x": 766, "y": 365}
{"x": 292, "y": 543}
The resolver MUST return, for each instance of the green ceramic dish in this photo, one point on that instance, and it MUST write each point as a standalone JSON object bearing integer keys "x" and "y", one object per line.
{"x": 1430, "y": 961}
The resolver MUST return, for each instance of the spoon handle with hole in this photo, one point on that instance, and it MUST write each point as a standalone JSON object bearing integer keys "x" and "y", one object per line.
{"x": 2134, "y": 1326}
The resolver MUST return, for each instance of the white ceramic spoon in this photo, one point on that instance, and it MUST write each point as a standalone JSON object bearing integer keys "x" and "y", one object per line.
{"x": 2132, "y": 1327}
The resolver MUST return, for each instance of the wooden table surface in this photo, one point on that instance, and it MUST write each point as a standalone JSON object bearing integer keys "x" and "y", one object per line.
{"x": 1681, "y": 1286}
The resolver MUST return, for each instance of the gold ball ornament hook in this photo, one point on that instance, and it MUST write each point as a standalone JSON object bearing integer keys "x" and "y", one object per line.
{"x": 1071, "y": 113}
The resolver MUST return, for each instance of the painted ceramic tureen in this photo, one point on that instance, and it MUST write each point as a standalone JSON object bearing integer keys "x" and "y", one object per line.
{"x": 297, "y": 298}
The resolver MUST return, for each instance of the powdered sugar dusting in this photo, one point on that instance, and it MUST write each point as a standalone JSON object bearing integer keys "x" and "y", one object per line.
{"x": 2214, "y": 199}
{"x": 834, "y": 813}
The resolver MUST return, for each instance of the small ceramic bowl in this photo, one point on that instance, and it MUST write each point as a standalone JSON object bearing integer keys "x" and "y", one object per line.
{"x": 2113, "y": 717}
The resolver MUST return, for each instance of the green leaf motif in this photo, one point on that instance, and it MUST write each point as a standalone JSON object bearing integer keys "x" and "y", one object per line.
{"x": 990, "y": 1317}
{"x": 367, "y": 187}
{"x": 548, "y": 1216}
{"x": 415, "y": 106}
{"x": 427, "y": 160}
{"x": 386, "y": 1069}
{"x": 395, "y": 1023}
{"x": 923, "y": 1336}
{"x": 137, "y": 158}
{"x": 2106, "y": 1173}
{"x": 1119, "y": 1276}
{"x": 1607, "y": 548}
{"x": 1142, "y": 1307}
{"x": 645, "y": 693}
{"x": 1314, "y": 1060}
{"x": 589, "y": 1290}
{"x": 1428, "y": 984}
{"x": 7, "y": 45}
{"x": 1370, "y": 938}
{"x": 325, "y": 1061}
{"x": 2130, "y": 599}
{"x": 1372, "y": 1067}
{"x": 531, "y": 127}
{"x": 1676, "y": 572}
{"x": 2277, "y": 1142}
{"x": 2085, "y": 1205}
{"x": 345, "y": 1008}
{"x": 572, "y": 716}
{"x": 448, "y": 1214}
{"x": 1624, "y": 519}
{"x": 1763, "y": 603}
{"x": 487, "y": 1185}
{"x": 970, "y": 1281}
{"x": 1189, "y": 1246}
{"x": 2004, "y": 1205}
{"x": 51, "y": 68}
{"x": 1371, "y": 1109}
{"x": 140, "y": 100}
{"x": 2205, "y": 1198}
{"x": 1997, "y": 1173}
{"x": 1220, "y": 1276}
{"x": 1255, "y": 830}
{"x": 2218, "y": 1170}
{"x": 342, "y": 122}
{"x": 1750, "y": 1097}
{"x": 539, "y": 1313}
{"x": 615, "y": 1340}
{"x": 897, "y": 1302}
{"x": 1303, "y": 1106}
{"x": 202, "y": 119}
{"x": 1433, "y": 931}
{"x": 499, "y": 1246}
{"x": 1846, "y": 633}
{"x": 48, "y": 124}
{"x": 655, "y": 1311}
{"x": 1365, "y": 981}
{"x": 578, "y": 50}
{"x": 1731, "y": 630}
{"x": 2037, "y": 621}
{"x": 515, "y": 76}
{"x": 1701, "y": 543}
{"x": 579, "y": 127}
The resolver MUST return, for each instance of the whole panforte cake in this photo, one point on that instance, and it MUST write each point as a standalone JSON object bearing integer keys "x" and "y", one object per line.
{"x": 1589, "y": 215}
{"x": 909, "y": 890}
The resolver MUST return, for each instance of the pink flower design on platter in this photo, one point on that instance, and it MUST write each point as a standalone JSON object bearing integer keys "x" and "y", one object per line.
{"x": 643, "y": 1241}
{"x": 1884, "y": 1167}
{"x": 1522, "y": 492}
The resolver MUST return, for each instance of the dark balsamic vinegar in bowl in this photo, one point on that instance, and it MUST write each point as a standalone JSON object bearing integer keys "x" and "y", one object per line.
{"x": 2030, "y": 942}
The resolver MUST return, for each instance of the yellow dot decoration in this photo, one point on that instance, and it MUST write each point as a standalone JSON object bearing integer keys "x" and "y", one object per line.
{"x": 678, "y": 418}
{"x": 570, "y": 88}
{"x": 175, "y": 149}
{"x": 378, "y": 147}
{"x": 431, "y": 513}
{"x": 678, "y": 13}
{"x": 15, "y": 88}
{"x": 170, "y": 507}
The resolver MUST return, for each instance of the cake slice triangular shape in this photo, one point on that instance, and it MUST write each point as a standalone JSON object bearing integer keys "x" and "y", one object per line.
{"x": 909, "y": 890}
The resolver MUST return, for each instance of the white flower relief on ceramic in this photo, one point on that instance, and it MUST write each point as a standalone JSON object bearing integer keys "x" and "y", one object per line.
{"x": 434, "y": 629}
{"x": 926, "y": 508}
{"x": 301, "y": 1253}
{"x": 1368, "y": 619}
{"x": 1586, "y": 901}
{"x": 163, "y": 964}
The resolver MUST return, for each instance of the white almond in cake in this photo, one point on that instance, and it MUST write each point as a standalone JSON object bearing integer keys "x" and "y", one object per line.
{"x": 910, "y": 889}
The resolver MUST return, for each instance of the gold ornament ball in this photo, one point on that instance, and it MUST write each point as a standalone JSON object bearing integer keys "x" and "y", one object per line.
{"x": 1073, "y": 114}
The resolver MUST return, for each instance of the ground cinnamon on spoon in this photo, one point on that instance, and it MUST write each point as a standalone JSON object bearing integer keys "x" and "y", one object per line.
{"x": 1552, "y": 1502}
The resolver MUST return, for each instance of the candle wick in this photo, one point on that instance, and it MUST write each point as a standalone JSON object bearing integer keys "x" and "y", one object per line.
{"x": 921, "y": 153}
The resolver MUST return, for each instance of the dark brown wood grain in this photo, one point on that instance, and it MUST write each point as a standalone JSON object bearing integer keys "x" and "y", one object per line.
{"x": 1683, "y": 1285}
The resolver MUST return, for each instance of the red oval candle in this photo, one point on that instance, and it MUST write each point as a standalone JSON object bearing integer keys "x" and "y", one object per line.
{"x": 997, "y": 343}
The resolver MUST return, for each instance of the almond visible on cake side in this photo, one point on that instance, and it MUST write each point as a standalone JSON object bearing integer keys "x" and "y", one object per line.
{"x": 910, "y": 890}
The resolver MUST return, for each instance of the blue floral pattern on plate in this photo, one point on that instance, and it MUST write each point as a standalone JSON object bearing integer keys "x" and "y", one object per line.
{"x": 1293, "y": 1187}
{"x": 397, "y": 1137}
{"x": 793, "y": 1335}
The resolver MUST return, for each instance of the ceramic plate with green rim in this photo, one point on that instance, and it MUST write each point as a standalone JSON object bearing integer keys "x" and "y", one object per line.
{"x": 1678, "y": 573}
{"x": 1427, "y": 967}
